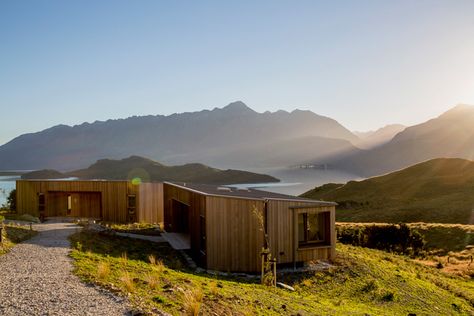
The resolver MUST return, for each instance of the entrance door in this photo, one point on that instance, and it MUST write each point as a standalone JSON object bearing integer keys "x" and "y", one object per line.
{"x": 85, "y": 204}
{"x": 56, "y": 204}
{"x": 180, "y": 215}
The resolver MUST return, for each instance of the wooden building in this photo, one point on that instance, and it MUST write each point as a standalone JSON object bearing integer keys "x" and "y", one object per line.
{"x": 111, "y": 201}
{"x": 220, "y": 224}
{"x": 225, "y": 233}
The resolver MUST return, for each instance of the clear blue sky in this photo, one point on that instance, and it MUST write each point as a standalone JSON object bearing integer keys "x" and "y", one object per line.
{"x": 364, "y": 63}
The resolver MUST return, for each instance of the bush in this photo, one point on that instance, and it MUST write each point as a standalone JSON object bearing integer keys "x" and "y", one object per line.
{"x": 28, "y": 218}
{"x": 11, "y": 200}
{"x": 394, "y": 238}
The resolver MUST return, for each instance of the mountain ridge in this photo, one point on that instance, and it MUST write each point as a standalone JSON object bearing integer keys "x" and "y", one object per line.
{"x": 174, "y": 139}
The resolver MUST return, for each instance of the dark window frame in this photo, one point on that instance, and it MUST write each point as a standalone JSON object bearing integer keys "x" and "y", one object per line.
{"x": 306, "y": 242}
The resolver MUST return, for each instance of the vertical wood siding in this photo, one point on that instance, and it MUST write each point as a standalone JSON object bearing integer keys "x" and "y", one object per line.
{"x": 113, "y": 197}
{"x": 150, "y": 203}
{"x": 234, "y": 237}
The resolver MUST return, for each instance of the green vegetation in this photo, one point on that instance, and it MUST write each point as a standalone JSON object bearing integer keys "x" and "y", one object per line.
{"x": 148, "y": 170}
{"x": 439, "y": 238}
{"x": 137, "y": 228}
{"x": 362, "y": 281}
{"x": 393, "y": 238}
{"x": 12, "y": 235}
{"x": 22, "y": 217}
{"x": 11, "y": 200}
{"x": 448, "y": 247}
{"x": 436, "y": 191}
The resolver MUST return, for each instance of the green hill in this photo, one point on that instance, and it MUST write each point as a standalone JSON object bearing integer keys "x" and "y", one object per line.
{"x": 438, "y": 190}
{"x": 149, "y": 170}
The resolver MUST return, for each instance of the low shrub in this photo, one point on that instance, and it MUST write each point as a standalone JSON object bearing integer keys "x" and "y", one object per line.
{"x": 28, "y": 218}
{"x": 394, "y": 238}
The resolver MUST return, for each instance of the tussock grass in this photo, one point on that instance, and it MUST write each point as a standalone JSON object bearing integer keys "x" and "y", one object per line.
{"x": 157, "y": 264}
{"x": 152, "y": 280}
{"x": 127, "y": 282}
{"x": 213, "y": 289}
{"x": 193, "y": 301}
{"x": 103, "y": 270}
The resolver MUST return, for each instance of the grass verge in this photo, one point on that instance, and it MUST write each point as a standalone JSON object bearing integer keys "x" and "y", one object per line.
{"x": 362, "y": 281}
{"x": 12, "y": 235}
{"x": 136, "y": 228}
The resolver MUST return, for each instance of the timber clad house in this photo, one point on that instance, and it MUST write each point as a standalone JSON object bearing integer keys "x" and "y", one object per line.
{"x": 219, "y": 223}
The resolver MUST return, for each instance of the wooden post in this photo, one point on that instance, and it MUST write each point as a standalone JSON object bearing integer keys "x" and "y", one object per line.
{"x": 263, "y": 267}
{"x": 274, "y": 272}
{"x": 1, "y": 236}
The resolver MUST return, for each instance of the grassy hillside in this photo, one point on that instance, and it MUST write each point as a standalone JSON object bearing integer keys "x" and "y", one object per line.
{"x": 448, "y": 247}
{"x": 149, "y": 170}
{"x": 360, "y": 282}
{"x": 436, "y": 191}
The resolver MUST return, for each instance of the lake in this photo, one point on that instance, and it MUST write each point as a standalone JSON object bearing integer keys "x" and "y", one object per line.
{"x": 7, "y": 183}
{"x": 293, "y": 181}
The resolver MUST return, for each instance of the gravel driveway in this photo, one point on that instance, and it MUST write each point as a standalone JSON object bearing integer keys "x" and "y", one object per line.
{"x": 36, "y": 279}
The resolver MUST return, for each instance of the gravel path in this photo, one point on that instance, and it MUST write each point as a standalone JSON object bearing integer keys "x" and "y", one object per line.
{"x": 36, "y": 279}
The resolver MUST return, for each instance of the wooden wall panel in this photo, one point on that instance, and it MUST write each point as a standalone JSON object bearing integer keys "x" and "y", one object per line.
{"x": 150, "y": 203}
{"x": 56, "y": 204}
{"x": 113, "y": 196}
{"x": 234, "y": 237}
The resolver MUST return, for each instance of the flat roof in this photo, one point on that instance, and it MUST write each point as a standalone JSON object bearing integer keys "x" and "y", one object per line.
{"x": 253, "y": 194}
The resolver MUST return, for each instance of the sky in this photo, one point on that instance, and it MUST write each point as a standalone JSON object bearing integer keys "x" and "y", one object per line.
{"x": 363, "y": 63}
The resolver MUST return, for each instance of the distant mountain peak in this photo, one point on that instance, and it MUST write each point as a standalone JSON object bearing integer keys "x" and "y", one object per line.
{"x": 237, "y": 107}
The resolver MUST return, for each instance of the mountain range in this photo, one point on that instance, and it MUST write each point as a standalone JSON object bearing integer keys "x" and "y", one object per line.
{"x": 233, "y": 136}
{"x": 148, "y": 170}
{"x": 237, "y": 137}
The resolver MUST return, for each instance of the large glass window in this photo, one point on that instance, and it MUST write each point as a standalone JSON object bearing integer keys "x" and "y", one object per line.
{"x": 312, "y": 228}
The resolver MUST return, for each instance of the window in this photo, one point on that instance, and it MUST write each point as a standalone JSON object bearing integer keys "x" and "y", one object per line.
{"x": 131, "y": 206}
{"x": 132, "y": 201}
{"x": 41, "y": 202}
{"x": 202, "y": 232}
{"x": 312, "y": 228}
{"x": 69, "y": 204}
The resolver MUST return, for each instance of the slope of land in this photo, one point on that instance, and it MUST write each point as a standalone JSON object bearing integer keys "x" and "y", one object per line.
{"x": 360, "y": 282}
{"x": 204, "y": 137}
{"x": 451, "y": 135}
{"x": 149, "y": 170}
{"x": 437, "y": 191}
{"x": 448, "y": 247}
